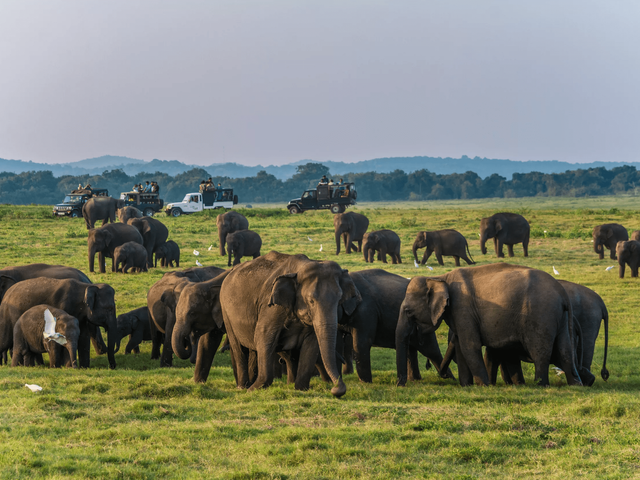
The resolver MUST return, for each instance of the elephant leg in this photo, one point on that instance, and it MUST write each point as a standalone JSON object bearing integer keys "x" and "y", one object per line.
{"x": 156, "y": 341}
{"x": 398, "y": 257}
{"x": 96, "y": 339}
{"x": 359, "y": 246}
{"x": 101, "y": 265}
{"x": 84, "y": 345}
{"x": 491, "y": 363}
{"x": 565, "y": 356}
{"x": 167, "y": 349}
{"x": 38, "y": 358}
{"x": 427, "y": 254}
{"x": 510, "y": 250}
{"x": 239, "y": 358}
{"x": 347, "y": 354}
{"x": 498, "y": 244}
{"x": 413, "y": 366}
{"x": 525, "y": 247}
{"x": 252, "y": 366}
{"x": 362, "y": 350}
{"x": 457, "y": 260}
{"x": 309, "y": 356}
{"x": 207, "y": 347}
{"x": 291, "y": 364}
{"x": 440, "y": 259}
{"x": 471, "y": 351}
{"x": 55, "y": 356}
{"x": 383, "y": 255}
{"x": 430, "y": 349}
{"x": 265, "y": 348}
{"x": 464, "y": 372}
{"x": 347, "y": 242}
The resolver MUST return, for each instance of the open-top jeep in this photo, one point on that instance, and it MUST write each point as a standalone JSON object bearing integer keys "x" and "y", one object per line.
{"x": 333, "y": 196}
{"x": 147, "y": 203}
{"x": 72, "y": 204}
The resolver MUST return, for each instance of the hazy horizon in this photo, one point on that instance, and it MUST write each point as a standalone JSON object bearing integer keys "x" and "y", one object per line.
{"x": 246, "y": 82}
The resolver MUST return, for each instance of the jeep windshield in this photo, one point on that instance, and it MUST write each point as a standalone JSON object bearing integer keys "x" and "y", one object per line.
{"x": 73, "y": 199}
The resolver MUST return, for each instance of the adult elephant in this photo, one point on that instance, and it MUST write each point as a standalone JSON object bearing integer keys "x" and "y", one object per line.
{"x": 228, "y": 223}
{"x": 500, "y": 306}
{"x": 352, "y": 227}
{"x": 161, "y": 301}
{"x": 373, "y": 323}
{"x": 271, "y": 303}
{"x": 505, "y": 229}
{"x": 443, "y": 242}
{"x": 199, "y": 314}
{"x": 154, "y": 234}
{"x": 608, "y": 235}
{"x": 135, "y": 324}
{"x": 100, "y": 208}
{"x": 384, "y": 242}
{"x": 628, "y": 253}
{"x": 93, "y": 304}
{"x": 126, "y": 213}
{"x": 106, "y": 239}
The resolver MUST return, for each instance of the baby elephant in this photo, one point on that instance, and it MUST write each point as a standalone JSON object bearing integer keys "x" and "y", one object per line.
{"x": 243, "y": 243}
{"x": 382, "y": 241}
{"x": 136, "y": 324}
{"x": 168, "y": 253}
{"x": 628, "y": 253}
{"x": 443, "y": 242}
{"x": 132, "y": 256}
{"x": 29, "y": 341}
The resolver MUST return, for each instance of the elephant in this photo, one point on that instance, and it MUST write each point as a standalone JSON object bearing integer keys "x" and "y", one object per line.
{"x": 136, "y": 324}
{"x": 374, "y": 322}
{"x": 443, "y": 242}
{"x": 608, "y": 235}
{"x": 100, "y": 208}
{"x": 161, "y": 301}
{"x": 228, "y": 223}
{"x": 125, "y": 213}
{"x": 104, "y": 241}
{"x": 132, "y": 256}
{"x": 500, "y": 306}
{"x": 90, "y": 304}
{"x": 154, "y": 234}
{"x": 28, "y": 337}
{"x": 628, "y": 253}
{"x": 505, "y": 229}
{"x": 635, "y": 235}
{"x": 280, "y": 302}
{"x": 243, "y": 243}
{"x": 382, "y": 241}
{"x": 352, "y": 227}
{"x": 168, "y": 253}
{"x": 199, "y": 313}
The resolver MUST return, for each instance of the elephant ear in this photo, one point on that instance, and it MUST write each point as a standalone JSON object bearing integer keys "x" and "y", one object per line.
{"x": 134, "y": 322}
{"x": 284, "y": 291}
{"x": 498, "y": 224}
{"x": 107, "y": 236}
{"x": 437, "y": 299}
{"x": 146, "y": 228}
{"x": 609, "y": 232}
{"x": 90, "y": 296}
{"x": 351, "y": 297}
{"x": 6, "y": 282}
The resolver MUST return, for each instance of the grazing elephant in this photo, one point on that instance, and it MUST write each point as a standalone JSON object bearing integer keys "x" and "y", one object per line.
{"x": 104, "y": 241}
{"x": 135, "y": 324}
{"x": 228, "y": 223}
{"x": 352, "y": 227}
{"x": 443, "y": 242}
{"x": 635, "y": 235}
{"x": 11, "y": 275}
{"x": 125, "y": 213}
{"x": 93, "y": 304}
{"x": 500, "y": 306}
{"x": 608, "y": 235}
{"x": 28, "y": 337}
{"x": 168, "y": 253}
{"x": 132, "y": 256}
{"x": 383, "y": 242}
{"x": 199, "y": 313}
{"x": 161, "y": 301}
{"x": 154, "y": 234}
{"x": 281, "y": 302}
{"x": 374, "y": 322}
{"x": 100, "y": 208}
{"x": 243, "y": 243}
{"x": 505, "y": 229}
{"x": 628, "y": 254}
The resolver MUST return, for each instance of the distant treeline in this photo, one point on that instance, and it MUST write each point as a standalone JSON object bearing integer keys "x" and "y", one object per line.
{"x": 45, "y": 189}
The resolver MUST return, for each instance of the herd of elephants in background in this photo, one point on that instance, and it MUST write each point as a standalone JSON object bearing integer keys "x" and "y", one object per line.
{"x": 288, "y": 315}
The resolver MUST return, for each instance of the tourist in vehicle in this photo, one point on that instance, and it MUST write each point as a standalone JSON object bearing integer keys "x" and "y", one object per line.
{"x": 324, "y": 179}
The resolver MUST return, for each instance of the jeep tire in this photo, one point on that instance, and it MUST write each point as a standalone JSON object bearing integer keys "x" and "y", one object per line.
{"x": 176, "y": 212}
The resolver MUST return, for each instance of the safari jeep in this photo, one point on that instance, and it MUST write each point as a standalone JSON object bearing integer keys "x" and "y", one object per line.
{"x": 197, "y": 202}
{"x": 335, "y": 197}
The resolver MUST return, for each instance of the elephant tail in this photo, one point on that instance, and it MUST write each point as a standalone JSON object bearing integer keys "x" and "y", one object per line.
{"x": 605, "y": 316}
{"x": 469, "y": 253}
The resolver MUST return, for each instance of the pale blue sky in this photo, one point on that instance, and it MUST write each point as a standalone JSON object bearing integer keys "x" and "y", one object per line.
{"x": 274, "y": 82}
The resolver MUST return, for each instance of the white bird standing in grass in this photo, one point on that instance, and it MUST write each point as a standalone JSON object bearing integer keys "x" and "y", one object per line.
{"x": 559, "y": 371}
{"x": 555, "y": 272}
{"x": 320, "y": 248}
{"x": 416, "y": 264}
{"x": 608, "y": 268}
{"x": 196, "y": 253}
{"x": 198, "y": 263}
{"x": 33, "y": 387}
{"x": 210, "y": 247}
{"x": 310, "y": 239}
{"x": 50, "y": 329}
{"x": 430, "y": 268}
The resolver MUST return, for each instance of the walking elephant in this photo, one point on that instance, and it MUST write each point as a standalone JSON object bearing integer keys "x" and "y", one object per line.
{"x": 442, "y": 242}
{"x": 628, "y": 253}
{"x": 154, "y": 234}
{"x": 384, "y": 242}
{"x": 281, "y": 302}
{"x": 243, "y": 243}
{"x": 608, "y": 235}
{"x": 105, "y": 240}
{"x": 228, "y": 223}
{"x": 352, "y": 227}
{"x": 90, "y": 304}
{"x": 135, "y": 324}
{"x": 500, "y": 306}
{"x": 505, "y": 229}
{"x": 126, "y": 213}
{"x": 373, "y": 323}
{"x": 168, "y": 253}
{"x": 100, "y": 208}
{"x": 28, "y": 338}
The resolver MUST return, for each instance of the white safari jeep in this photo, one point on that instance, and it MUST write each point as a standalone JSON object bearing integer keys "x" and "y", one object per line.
{"x": 197, "y": 202}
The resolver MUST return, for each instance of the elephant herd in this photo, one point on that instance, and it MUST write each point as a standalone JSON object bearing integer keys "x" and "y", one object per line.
{"x": 288, "y": 312}
{"x": 615, "y": 238}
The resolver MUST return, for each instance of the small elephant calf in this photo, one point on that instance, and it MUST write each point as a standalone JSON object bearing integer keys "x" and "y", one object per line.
{"x": 29, "y": 341}
{"x": 168, "y": 253}
{"x": 384, "y": 242}
{"x": 132, "y": 256}
{"x": 243, "y": 243}
{"x": 136, "y": 324}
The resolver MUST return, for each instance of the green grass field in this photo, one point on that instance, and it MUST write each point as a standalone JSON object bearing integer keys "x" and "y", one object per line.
{"x": 141, "y": 421}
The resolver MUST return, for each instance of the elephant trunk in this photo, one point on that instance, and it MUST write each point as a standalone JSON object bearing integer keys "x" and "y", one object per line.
{"x": 92, "y": 254}
{"x": 598, "y": 248}
{"x": 338, "y": 234}
{"x": 222, "y": 237}
{"x": 415, "y": 251}
{"x": 403, "y": 331}
{"x": 326, "y": 334}
{"x": 230, "y": 251}
{"x": 181, "y": 340}
{"x": 483, "y": 240}
{"x": 72, "y": 348}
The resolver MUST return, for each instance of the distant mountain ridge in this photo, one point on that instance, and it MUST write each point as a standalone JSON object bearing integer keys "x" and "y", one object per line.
{"x": 484, "y": 167}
